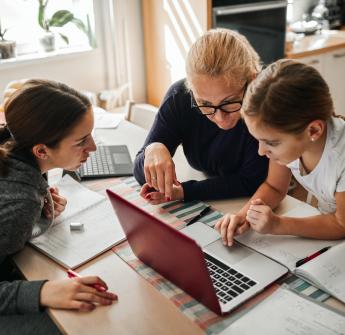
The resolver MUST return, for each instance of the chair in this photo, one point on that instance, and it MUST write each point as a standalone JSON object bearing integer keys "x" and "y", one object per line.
{"x": 142, "y": 115}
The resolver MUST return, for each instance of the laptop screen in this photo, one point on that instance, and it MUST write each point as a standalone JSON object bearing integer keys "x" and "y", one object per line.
{"x": 171, "y": 253}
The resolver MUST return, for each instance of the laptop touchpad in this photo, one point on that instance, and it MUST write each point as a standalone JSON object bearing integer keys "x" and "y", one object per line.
{"x": 230, "y": 255}
{"x": 121, "y": 158}
{"x": 201, "y": 233}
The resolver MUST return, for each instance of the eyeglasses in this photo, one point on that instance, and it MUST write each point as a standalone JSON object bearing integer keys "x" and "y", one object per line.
{"x": 226, "y": 107}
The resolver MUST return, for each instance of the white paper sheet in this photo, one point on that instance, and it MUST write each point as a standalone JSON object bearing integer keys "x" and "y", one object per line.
{"x": 101, "y": 227}
{"x": 287, "y": 250}
{"x": 104, "y": 119}
{"x": 327, "y": 271}
{"x": 286, "y": 313}
{"x": 79, "y": 198}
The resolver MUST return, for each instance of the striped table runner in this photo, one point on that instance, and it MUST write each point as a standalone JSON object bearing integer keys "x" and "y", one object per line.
{"x": 176, "y": 213}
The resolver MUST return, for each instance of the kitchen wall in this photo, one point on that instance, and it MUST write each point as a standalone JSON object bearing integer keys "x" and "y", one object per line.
{"x": 300, "y": 7}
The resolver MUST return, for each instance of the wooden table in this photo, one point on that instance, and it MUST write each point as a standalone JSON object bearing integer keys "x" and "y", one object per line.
{"x": 141, "y": 309}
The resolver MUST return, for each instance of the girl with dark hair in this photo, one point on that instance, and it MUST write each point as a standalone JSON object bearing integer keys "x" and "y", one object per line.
{"x": 289, "y": 110}
{"x": 48, "y": 125}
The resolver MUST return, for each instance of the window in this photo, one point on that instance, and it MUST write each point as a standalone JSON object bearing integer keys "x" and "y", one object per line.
{"x": 20, "y": 17}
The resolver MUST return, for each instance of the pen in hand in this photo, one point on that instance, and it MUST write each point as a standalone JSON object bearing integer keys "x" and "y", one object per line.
{"x": 196, "y": 218}
{"x": 98, "y": 287}
{"x": 310, "y": 257}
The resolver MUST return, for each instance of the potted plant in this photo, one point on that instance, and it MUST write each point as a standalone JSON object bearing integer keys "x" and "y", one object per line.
{"x": 7, "y": 48}
{"x": 59, "y": 19}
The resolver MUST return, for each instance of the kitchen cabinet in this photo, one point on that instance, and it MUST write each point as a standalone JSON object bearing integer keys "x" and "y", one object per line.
{"x": 335, "y": 75}
{"x": 331, "y": 65}
{"x": 317, "y": 61}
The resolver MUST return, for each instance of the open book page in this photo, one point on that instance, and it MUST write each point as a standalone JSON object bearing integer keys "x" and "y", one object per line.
{"x": 327, "y": 271}
{"x": 78, "y": 198}
{"x": 101, "y": 231}
{"x": 286, "y": 250}
{"x": 287, "y": 313}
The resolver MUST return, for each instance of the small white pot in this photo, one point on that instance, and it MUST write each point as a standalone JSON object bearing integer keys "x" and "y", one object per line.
{"x": 47, "y": 42}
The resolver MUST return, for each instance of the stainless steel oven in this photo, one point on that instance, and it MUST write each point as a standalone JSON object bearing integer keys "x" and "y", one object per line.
{"x": 262, "y": 22}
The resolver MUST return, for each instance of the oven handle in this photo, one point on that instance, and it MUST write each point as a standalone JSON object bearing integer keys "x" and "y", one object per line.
{"x": 253, "y": 7}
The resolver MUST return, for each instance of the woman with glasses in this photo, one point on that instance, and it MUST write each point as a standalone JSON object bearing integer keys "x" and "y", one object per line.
{"x": 202, "y": 112}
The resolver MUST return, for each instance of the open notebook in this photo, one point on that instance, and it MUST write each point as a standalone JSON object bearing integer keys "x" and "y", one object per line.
{"x": 286, "y": 313}
{"x": 324, "y": 271}
{"x": 101, "y": 229}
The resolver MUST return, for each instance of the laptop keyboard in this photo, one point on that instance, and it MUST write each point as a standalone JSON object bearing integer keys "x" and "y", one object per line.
{"x": 227, "y": 282}
{"x": 99, "y": 163}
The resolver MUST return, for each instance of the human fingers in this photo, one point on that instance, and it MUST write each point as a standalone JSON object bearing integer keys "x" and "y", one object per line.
{"x": 169, "y": 184}
{"x": 160, "y": 176}
{"x": 81, "y": 306}
{"x": 59, "y": 199}
{"x": 257, "y": 201}
{"x": 243, "y": 228}
{"x": 145, "y": 189}
{"x": 53, "y": 189}
{"x": 90, "y": 280}
{"x": 147, "y": 175}
{"x": 59, "y": 202}
{"x": 94, "y": 291}
{"x": 253, "y": 216}
{"x": 156, "y": 198}
{"x": 175, "y": 180}
{"x": 232, "y": 228}
{"x": 223, "y": 227}
{"x": 153, "y": 178}
{"x": 93, "y": 298}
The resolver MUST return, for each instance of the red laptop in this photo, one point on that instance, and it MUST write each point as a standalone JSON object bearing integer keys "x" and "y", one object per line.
{"x": 219, "y": 277}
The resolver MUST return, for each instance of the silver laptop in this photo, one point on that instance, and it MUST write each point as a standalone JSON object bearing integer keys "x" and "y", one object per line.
{"x": 195, "y": 259}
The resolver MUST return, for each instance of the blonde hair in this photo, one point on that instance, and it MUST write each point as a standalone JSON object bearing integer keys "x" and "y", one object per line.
{"x": 222, "y": 52}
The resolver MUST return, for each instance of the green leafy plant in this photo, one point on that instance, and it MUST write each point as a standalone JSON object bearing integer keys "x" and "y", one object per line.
{"x": 86, "y": 29}
{"x": 61, "y": 18}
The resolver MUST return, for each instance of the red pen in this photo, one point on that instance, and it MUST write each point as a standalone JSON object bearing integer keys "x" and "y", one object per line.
{"x": 98, "y": 287}
{"x": 310, "y": 257}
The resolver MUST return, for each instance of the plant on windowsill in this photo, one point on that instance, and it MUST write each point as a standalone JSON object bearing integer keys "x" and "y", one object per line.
{"x": 7, "y": 47}
{"x": 59, "y": 19}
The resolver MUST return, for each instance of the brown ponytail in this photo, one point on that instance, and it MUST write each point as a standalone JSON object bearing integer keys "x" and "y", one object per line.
{"x": 288, "y": 95}
{"x": 6, "y": 144}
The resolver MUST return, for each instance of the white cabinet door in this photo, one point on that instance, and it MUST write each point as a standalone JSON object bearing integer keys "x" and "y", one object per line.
{"x": 335, "y": 77}
{"x": 317, "y": 61}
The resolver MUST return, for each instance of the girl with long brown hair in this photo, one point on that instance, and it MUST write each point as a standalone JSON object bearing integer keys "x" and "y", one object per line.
{"x": 48, "y": 125}
{"x": 289, "y": 110}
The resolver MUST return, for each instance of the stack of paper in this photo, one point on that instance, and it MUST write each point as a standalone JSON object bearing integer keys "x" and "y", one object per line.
{"x": 101, "y": 229}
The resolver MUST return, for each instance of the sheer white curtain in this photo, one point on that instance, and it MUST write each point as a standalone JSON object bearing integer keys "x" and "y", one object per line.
{"x": 122, "y": 38}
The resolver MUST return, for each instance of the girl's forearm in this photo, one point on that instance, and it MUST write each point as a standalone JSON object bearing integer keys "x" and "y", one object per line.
{"x": 324, "y": 227}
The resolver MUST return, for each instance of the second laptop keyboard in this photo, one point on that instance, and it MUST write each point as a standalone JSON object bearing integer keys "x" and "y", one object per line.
{"x": 99, "y": 163}
{"x": 227, "y": 282}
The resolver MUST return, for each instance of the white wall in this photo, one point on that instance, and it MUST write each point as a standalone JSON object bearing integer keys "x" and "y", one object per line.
{"x": 90, "y": 70}
{"x": 301, "y": 7}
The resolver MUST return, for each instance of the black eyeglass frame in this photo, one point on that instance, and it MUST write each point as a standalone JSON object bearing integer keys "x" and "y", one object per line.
{"x": 219, "y": 107}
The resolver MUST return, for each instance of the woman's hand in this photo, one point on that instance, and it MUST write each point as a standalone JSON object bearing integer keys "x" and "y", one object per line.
{"x": 75, "y": 293}
{"x": 231, "y": 225}
{"x": 155, "y": 197}
{"x": 159, "y": 169}
{"x": 58, "y": 201}
{"x": 261, "y": 217}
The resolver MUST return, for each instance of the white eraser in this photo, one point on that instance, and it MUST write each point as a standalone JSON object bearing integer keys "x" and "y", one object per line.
{"x": 76, "y": 226}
